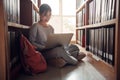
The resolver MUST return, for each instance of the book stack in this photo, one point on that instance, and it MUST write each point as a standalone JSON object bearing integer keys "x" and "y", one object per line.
{"x": 81, "y": 37}
{"x": 101, "y": 10}
{"x": 12, "y": 9}
{"x": 14, "y": 54}
{"x": 101, "y": 42}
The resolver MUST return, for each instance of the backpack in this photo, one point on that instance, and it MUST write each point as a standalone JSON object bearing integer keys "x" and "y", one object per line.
{"x": 32, "y": 61}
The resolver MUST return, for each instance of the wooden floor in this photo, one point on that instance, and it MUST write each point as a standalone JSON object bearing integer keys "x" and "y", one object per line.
{"x": 87, "y": 69}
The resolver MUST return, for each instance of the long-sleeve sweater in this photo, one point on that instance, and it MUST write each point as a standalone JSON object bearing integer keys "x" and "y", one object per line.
{"x": 38, "y": 35}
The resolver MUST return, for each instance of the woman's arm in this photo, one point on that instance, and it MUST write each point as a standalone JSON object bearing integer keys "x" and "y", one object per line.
{"x": 52, "y": 28}
{"x": 32, "y": 37}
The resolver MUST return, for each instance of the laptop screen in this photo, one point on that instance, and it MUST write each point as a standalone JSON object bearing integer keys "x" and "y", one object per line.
{"x": 58, "y": 39}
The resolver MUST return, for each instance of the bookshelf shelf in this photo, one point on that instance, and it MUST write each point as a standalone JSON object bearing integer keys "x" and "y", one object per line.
{"x": 110, "y": 22}
{"x": 81, "y": 28}
{"x": 15, "y": 25}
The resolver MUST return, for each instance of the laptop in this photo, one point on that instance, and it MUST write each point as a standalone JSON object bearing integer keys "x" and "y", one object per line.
{"x": 54, "y": 40}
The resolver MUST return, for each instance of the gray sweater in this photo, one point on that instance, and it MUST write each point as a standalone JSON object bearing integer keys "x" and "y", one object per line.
{"x": 38, "y": 35}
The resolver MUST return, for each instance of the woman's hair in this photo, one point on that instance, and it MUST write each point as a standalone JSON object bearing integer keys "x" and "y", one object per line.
{"x": 44, "y": 8}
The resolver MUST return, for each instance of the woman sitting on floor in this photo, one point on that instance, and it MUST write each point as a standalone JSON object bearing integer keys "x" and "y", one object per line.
{"x": 38, "y": 37}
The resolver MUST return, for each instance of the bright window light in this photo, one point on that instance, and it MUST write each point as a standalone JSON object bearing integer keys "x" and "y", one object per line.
{"x": 69, "y": 7}
{"x": 54, "y": 4}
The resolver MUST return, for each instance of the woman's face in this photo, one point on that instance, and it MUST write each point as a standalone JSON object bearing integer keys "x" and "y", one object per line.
{"x": 45, "y": 17}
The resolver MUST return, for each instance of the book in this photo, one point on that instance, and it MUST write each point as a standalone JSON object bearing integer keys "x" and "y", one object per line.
{"x": 113, "y": 9}
{"x": 112, "y": 45}
{"x": 90, "y": 40}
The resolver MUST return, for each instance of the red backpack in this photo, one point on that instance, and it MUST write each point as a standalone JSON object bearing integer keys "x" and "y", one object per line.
{"x": 32, "y": 60}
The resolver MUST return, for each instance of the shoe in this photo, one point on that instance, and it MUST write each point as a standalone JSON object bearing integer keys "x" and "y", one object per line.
{"x": 80, "y": 56}
{"x": 57, "y": 62}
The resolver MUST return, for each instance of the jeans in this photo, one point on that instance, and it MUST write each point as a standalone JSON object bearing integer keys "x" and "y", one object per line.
{"x": 69, "y": 54}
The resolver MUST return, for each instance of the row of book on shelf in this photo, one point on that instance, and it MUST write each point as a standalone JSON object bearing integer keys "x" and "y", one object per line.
{"x": 81, "y": 37}
{"x": 99, "y": 41}
{"x": 13, "y": 44}
{"x": 98, "y": 11}
{"x": 14, "y": 63}
{"x": 12, "y": 9}
{"x": 81, "y": 18}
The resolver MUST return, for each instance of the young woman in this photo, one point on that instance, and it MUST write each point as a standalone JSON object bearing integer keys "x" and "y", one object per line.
{"x": 38, "y": 37}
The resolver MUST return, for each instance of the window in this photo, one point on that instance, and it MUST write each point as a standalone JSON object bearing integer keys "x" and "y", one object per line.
{"x": 68, "y": 7}
{"x": 54, "y": 4}
{"x": 69, "y": 25}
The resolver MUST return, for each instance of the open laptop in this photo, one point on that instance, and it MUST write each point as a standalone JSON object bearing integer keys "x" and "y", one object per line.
{"x": 54, "y": 40}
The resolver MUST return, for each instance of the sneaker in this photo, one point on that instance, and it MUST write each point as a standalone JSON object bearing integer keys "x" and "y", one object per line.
{"x": 80, "y": 56}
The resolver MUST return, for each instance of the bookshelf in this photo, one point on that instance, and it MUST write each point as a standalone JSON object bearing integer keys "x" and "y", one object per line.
{"x": 3, "y": 43}
{"x": 113, "y": 21}
{"x": 29, "y": 16}
{"x": 15, "y": 16}
{"x": 97, "y": 26}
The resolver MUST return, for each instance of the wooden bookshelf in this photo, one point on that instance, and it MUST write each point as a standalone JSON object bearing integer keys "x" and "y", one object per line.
{"x": 3, "y": 43}
{"x": 109, "y": 18}
{"x": 27, "y": 12}
{"x": 15, "y": 16}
